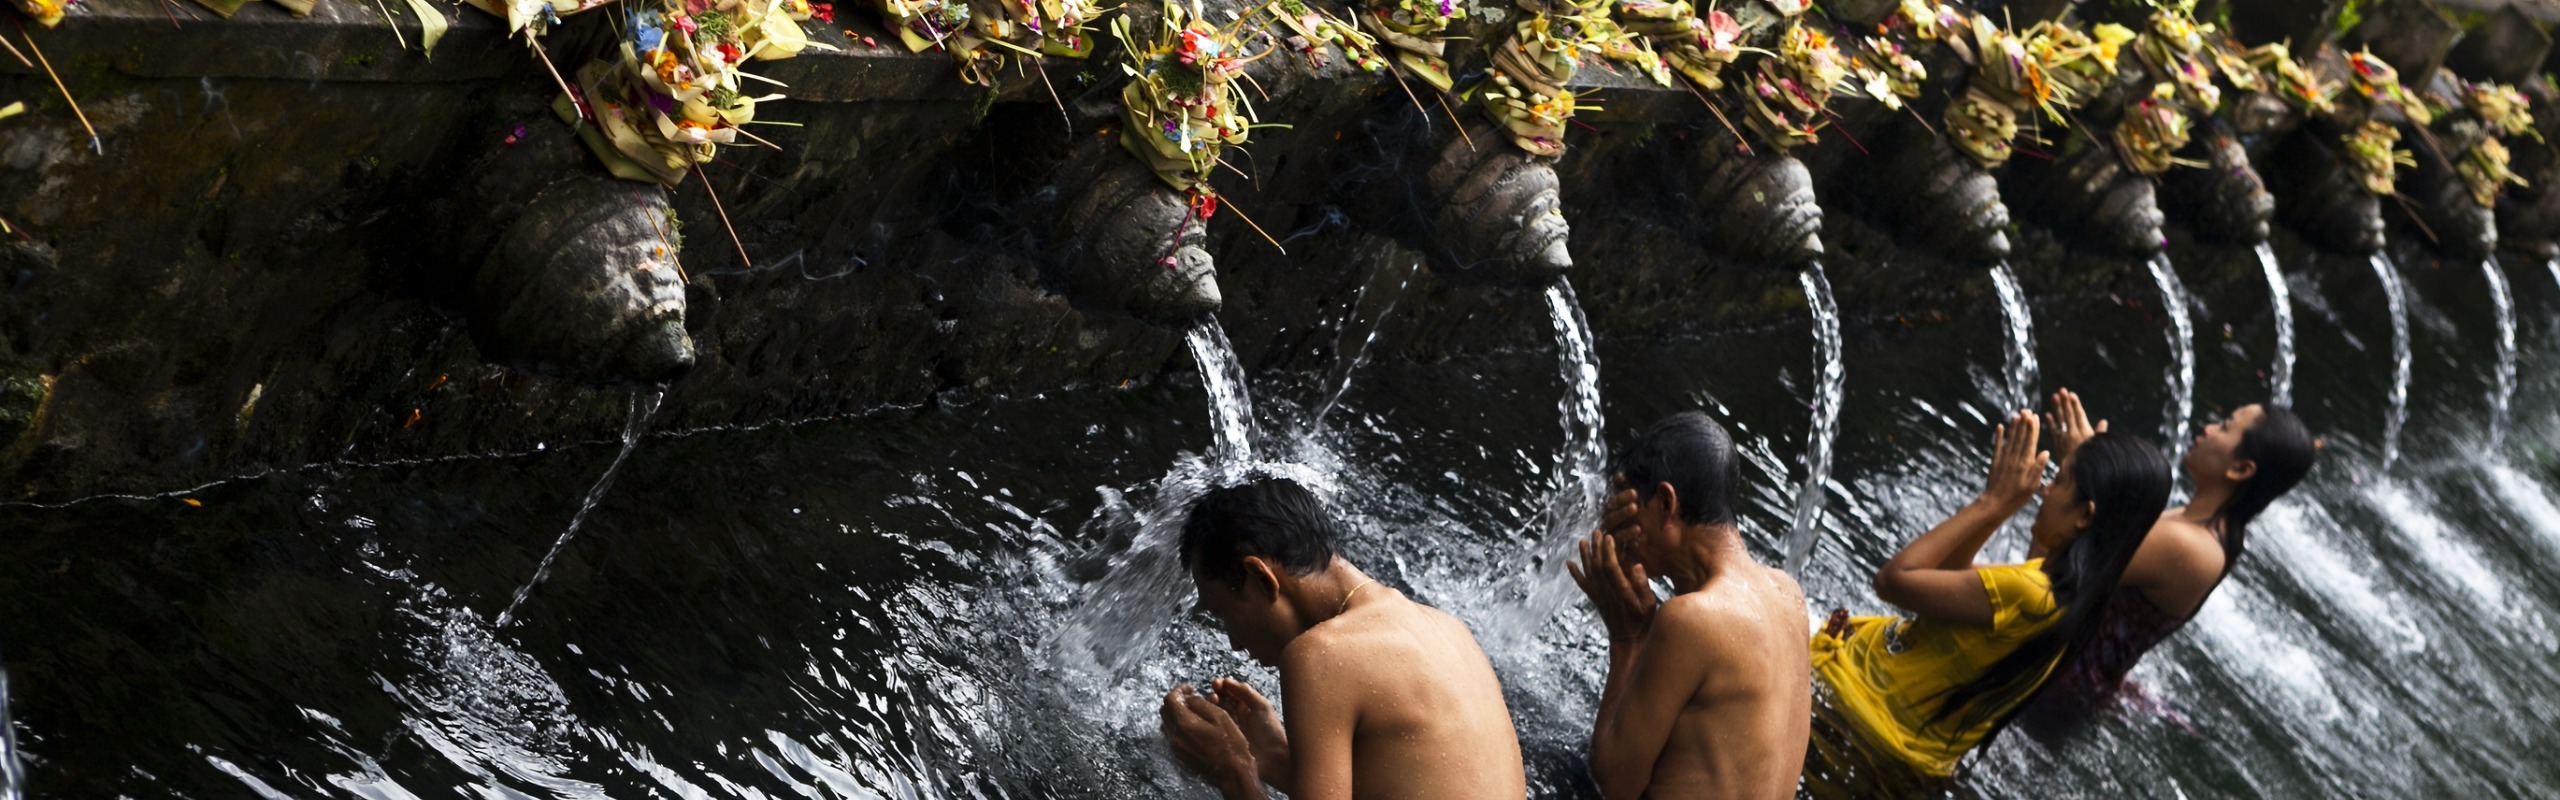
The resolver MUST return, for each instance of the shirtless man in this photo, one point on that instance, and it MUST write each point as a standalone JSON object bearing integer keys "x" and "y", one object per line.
{"x": 1388, "y": 698}
{"x": 1709, "y": 692}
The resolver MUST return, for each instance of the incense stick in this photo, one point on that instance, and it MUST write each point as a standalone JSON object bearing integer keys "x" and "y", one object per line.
{"x": 724, "y": 218}
{"x": 94, "y": 143}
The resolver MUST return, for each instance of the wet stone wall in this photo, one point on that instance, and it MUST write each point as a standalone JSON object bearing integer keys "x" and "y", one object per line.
{"x": 276, "y": 261}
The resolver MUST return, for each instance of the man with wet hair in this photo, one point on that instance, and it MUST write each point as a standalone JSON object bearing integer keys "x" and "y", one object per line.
{"x": 1709, "y": 692}
{"x": 1387, "y": 698}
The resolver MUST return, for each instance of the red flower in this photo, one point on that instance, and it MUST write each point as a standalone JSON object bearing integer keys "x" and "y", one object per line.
{"x": 822, "y": 12}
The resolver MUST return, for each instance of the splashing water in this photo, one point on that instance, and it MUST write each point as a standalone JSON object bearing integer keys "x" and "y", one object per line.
{"x": 639, "y": 419}
{"x": 2019, "y": 368}
{"x": 2503, "y": 395}
{"x": 1830, "y": 381}
{"x": 2396, "y": 296}
{"x": 1580, "y": 476}
{"x": 1230, "y": 409}
{"x": 2182, "y": 346}
{"x": 1340, "y": 377}
{"x": 12, "y": 775}
{"x": 2279, "y": 301}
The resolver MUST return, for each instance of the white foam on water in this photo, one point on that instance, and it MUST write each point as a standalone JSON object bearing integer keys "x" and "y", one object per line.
{"x": 2297, "y": 536}
{"x": 2265, "y": 657}
{"x": 2437, "y": 544}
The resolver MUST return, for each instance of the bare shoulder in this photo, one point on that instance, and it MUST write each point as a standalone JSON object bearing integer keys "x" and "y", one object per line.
{"x": 2175, "y": 539}
{"x": 1734, "y": 610}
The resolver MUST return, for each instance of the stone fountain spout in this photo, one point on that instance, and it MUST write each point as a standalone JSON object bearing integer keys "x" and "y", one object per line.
{"x": 2086, "y": 188}
{"x": 1132, "y": 244}
{"x": 1764, "y": 207}
{"x": 2225, "y": 201}
{"x": 1938, "y": 198}
{"x": 571, "y": 273}
{"x": 585, "y": 284}
{"x": 1496, "y": 210}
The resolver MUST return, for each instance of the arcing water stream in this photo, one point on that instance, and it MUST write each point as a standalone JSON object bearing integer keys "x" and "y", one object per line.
{"x": 977, "y": 600}
{"x": 1579, "y": 476}
{"x": 2280, "y": 304}
{"x": 2398, "y": 417}
{"x": 637, "y": 421}
{"x": 2178, "y": 423}
{"x": 2018, "y": 325}
{"x": 1829, "y": 378}
{"x": 12, "y": 775}
{"x": 2503, "y": 301}
{"x": 1230, "y": 409}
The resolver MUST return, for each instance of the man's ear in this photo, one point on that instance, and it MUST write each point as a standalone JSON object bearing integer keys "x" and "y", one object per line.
{"x": 1670, "y": 499}
{"x": 1258, "y": 574}
{"x": 2242, "y": 471}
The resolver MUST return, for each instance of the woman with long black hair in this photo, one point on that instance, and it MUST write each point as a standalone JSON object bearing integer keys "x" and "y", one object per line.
{"x": 1898, "y": 701}
{"x": 2240, "y": 466}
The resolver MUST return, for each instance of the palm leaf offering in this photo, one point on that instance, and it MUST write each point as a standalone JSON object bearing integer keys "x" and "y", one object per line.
{"x": 2373, "y": 156}
{"x": 674, "y": 92}
{"x": 2153, "y": 129}
{"x": 1525, "y": 91}
{"x": 48, "y": 13}
{"x": 1180, "y": 106}
{"x": 1415, "y": 28}
{"x": 1789, "y": 92}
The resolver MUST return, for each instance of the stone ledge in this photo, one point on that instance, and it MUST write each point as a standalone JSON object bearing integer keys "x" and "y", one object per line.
{"x": 352, "y": 41}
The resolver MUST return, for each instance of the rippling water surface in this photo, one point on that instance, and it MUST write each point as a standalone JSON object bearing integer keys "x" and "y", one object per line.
{"x": 975, "y": 601}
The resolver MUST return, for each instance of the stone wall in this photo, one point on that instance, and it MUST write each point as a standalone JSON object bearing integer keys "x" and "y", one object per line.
{"x": 269, "y": 266}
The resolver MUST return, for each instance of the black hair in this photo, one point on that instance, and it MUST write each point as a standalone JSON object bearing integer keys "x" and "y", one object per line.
{"x": 1274, "y": 518}
{"x": 2283, "y": 449}
{"x": 2128, "y": 480}
{"x": 1693, "y": 454}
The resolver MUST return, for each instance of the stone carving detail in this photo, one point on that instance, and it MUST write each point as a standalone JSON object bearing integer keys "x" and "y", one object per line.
{"x": 2457, "y": 223}
{"x": 2225, "y": 201}
{"x": 2318, "y": 194}
{"x": 1763, "y": 208}
{"x": 1497, "y": 208}
{"x": 569, "y": 272}
{"x": 2088, "y": 189}
{"x": 1941, "y": 199}
{"x": 584, "y": 283}
{"x": 1136, "y": 246}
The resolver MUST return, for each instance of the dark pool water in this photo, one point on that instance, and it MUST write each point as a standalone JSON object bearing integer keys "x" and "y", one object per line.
{"x": 962, "y": 602}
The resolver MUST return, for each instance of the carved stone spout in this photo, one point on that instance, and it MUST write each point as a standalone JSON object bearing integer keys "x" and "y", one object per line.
{"x": 1763, "y": 208}
{"x": 1937, "y": 198}
{"x": 2087, "y": 190}
{"x": 585, "y": 284}
{"x": 2317, "y": 195}
{"x": 2441, "y": 202}
{"x": 569, "y": 272}
{"x": 1496, "y": 210}
{"x": 2225, "y": 201}
{"x": 1135, "y": 245}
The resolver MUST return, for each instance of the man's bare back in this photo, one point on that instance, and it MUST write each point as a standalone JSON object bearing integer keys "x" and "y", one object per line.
{"x": 1388, "y": 698}
{"x": 1413, "y": 692}
{"x": 1742, "y": 732}
{"x": 1710, "y": 693}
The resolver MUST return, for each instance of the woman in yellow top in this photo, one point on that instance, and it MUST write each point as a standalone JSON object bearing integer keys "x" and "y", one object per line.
{"x": 1898, "y": 701}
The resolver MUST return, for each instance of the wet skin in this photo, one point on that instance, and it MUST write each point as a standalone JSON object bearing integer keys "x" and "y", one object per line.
{"x": 2182, "y": 560}
{"x": 1709, "y": 693}
{"x": 1388, "y": 698}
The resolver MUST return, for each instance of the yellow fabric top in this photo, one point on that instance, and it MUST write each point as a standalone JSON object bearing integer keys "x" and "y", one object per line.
{"x": 1887, "y": 675}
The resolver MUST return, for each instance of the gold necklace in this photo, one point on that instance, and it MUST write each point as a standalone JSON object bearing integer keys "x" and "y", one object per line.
{"x": 1355, "y": 592}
